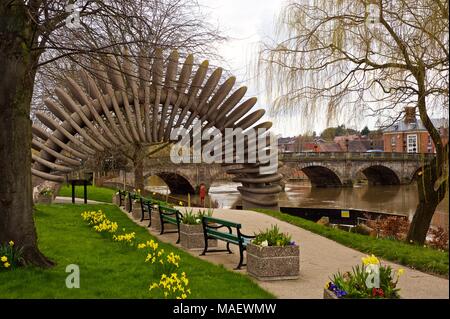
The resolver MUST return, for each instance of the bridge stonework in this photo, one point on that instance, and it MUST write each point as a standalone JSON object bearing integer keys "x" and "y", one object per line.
{"x": 344, "y": 169}
{"x": 322, "y": 169}
{"x": 186, "y": 178}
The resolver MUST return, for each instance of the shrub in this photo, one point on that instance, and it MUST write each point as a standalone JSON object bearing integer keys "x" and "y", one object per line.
{"x": 10, "y": 256}
{"x": 272, "y": 237}
{"x": 394, "y": 227}
{"x": 439, "y": 238}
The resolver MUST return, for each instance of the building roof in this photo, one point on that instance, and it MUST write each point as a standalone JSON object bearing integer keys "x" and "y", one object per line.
{"x": 401, "y": 126}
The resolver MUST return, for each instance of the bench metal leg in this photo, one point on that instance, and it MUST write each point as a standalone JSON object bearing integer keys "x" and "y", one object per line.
{"x": 149, "y": 218}
{"x": 178, "y": 240}
{"x": 241, "y": 258}
{"x": 228, "y": 248}
{"x": 206, "y": 247}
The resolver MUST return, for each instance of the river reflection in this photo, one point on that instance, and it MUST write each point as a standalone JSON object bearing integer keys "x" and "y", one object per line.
{"x": 384, "y": 199}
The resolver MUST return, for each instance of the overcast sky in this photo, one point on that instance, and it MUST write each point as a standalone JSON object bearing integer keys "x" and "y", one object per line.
{"x": 246, "y": 23}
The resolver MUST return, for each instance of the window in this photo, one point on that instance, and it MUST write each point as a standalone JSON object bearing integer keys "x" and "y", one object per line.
{"x": 393, "y": 143}
{"x": 411, "y": 143}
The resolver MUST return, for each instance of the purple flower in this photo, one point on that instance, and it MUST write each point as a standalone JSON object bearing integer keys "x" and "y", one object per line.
{"x": 292, "y": 243}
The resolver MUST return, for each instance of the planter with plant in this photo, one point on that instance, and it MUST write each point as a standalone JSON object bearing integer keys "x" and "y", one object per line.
{"x": 45, "y": 196}
{"x": 272, "y": 255}
{"x": 371, "y": 280}
{"x": 191, "y": 230}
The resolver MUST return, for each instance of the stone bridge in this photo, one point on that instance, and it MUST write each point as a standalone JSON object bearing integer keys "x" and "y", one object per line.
{"x": 185, "y": 178}
{"x": 331, "y": 169}
{"x": 334, "y": 169}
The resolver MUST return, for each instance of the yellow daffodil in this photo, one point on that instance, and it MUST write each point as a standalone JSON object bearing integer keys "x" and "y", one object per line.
{"x": 11, "y": 243}
{"x": 370, "y": 260}
{"x": 400, "y": 271}
{"x": 7, "y": 264}
{"x": 4, "y": 259}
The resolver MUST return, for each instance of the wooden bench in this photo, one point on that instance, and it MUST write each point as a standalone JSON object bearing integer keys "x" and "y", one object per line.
{"x": 210, "y": 231}
{"x": 146, "y": 206}
{"x": 122, "y": 196}
{"x": 132, "y": 196}
{"x": 169, "y": 215}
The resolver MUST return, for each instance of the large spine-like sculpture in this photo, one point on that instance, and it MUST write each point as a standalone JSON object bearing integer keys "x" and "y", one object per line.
{"x": 114, "y": 105}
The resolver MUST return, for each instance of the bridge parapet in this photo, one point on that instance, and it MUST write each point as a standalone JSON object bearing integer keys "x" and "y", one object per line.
{"x": 355, "y": 156}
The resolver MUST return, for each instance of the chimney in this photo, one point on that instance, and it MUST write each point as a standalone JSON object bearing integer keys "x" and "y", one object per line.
{"x": 410, "y": 115}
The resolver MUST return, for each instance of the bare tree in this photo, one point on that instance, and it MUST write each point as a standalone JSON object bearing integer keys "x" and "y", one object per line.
{"x": 146, "y": 25}
{"x": 380, "y": 55}
{"x": 35, "y": 33}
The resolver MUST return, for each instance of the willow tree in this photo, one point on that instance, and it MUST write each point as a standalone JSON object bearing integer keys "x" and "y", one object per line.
{"x": 375, "y": 56}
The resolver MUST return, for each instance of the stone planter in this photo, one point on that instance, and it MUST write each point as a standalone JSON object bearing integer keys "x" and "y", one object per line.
{"x": 115, "y": 199}
{"x": 191, "y": 237}
{"x": 44, "y": 199}
{"x": 273, "y": 262}
{"x": 156, "y": 222}
{"x": 136, "y": 212}
{"x": 327, "y": 294}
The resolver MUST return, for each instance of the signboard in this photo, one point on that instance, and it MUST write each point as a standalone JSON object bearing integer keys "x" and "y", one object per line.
{"x": 345, "y": 214}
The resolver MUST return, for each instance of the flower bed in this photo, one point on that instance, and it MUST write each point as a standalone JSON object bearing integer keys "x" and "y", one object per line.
{"x": 165, "y": 265}
{"x": 369, "y": 280}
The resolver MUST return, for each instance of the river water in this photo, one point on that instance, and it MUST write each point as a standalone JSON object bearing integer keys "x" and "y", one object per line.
{"x": 385, "y": 199}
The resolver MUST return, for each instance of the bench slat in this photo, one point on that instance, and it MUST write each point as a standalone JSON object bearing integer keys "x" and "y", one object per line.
{"x": 224, "y": 236}
{"x": 221, "y": 221}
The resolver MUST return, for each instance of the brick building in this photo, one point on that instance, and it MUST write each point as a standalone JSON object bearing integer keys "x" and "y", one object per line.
{"x": 410, "y": 135}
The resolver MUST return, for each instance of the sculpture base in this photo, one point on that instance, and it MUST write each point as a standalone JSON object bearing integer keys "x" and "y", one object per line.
{"x": 249, "y": 206}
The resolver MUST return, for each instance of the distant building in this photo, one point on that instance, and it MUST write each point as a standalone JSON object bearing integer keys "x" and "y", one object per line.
{"x": 411, "y": 136}
{"x": 287, "y": 144}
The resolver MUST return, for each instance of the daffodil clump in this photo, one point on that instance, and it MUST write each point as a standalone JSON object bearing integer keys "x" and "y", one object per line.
{"x": 173, "y": 286}
{"x": 99, "y": 221}
{"x": 10, "y": 256}
{"x": 165, "y": 266}
{"x": 369, "y": 280}
{"x": 125, "y": 238}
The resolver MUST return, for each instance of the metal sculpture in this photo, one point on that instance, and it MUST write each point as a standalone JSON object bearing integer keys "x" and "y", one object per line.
{"x": 117, "y": 105}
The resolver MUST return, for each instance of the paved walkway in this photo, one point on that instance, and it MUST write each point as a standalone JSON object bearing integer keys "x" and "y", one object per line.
{"x": 319, "y": 258}
{"x": 68, "y": 200}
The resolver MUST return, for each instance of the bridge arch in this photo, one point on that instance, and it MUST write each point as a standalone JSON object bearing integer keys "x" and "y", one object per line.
{"x": 125, "y": 102}
{"x": 380, "y": 175}
{"x": 321, "y": 176}
{"x": 176, "y": 182}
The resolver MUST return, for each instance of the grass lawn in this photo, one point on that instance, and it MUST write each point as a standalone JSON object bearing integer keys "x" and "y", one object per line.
{"x": 109, "y": 269}
{"x": 422, "y": 258}
{"x": 100, "y": 194}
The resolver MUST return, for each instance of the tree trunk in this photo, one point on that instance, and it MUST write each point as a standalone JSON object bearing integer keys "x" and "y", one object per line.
{"x": 138, "y": 163}
{"x": 430, "y": 194}
{"x": 139, "y": 175}
{"x": 428, "y": 201}
{"x": 16, "y": 89}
